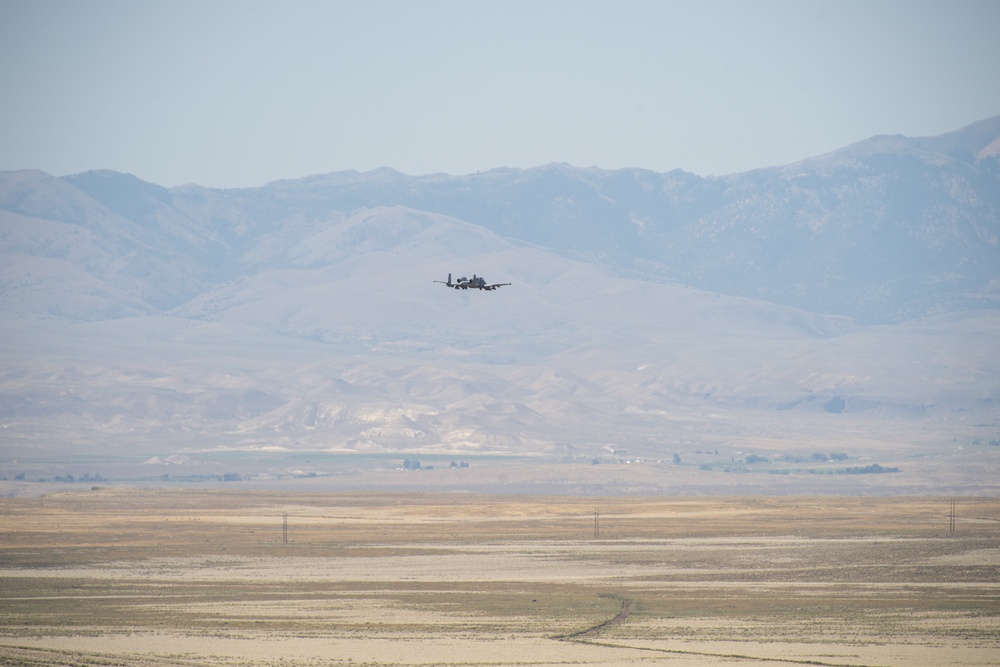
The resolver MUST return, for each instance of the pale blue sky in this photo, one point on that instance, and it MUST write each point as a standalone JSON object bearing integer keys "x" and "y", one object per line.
{"x": 238, "y": 93}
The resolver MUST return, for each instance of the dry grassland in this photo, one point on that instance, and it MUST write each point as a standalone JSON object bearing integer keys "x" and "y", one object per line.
{"x": 156, "y": 577}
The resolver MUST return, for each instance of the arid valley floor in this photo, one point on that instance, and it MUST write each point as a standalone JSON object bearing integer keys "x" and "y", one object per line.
{"x": 130, "y": 577}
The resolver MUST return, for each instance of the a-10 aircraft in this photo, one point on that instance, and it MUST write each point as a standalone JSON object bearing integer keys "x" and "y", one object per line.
{"x": 476, "y": 282}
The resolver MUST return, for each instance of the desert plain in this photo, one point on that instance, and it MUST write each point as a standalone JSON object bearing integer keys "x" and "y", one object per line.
{"x": 169, "y": 577}
{"x": 144, "y": 577}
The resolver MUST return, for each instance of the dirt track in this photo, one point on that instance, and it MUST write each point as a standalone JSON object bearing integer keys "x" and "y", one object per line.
{"x": 619, "y": 618}
{"x": 19, "y": 656}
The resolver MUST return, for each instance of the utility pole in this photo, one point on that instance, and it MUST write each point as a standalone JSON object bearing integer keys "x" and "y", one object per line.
{"x": 597, "y": 525}
{"x": 951, "y": 517}
{"x": 284, "y": 527}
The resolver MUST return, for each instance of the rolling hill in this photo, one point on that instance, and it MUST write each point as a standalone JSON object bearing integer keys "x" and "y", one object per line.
{"x": 846, "y": 302}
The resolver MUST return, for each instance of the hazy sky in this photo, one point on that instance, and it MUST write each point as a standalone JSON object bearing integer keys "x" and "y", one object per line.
{"x": 239, "y": 93}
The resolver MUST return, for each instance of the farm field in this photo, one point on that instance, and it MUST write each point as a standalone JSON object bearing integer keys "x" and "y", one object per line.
{"x": 163, "y": 577}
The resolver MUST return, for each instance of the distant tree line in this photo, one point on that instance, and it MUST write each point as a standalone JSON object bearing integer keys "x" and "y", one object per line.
{"x": 868, "y": 470}
{"x": 872, "y": 469}
{"x": 413, "y": 464}
{"x": 752, "y": 458}
{"x": 20, "y": 477}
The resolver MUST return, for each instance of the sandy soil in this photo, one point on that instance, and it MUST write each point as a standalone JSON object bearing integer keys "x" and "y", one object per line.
{"x": 145, "y": 578}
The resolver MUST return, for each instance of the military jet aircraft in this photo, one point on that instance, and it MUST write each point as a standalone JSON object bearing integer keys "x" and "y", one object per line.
{"x": 476, "y": 282}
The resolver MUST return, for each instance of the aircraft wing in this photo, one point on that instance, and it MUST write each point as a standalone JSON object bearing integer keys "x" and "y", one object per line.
{"x": 448, "y": 283}
{"x": 496, "y": 285}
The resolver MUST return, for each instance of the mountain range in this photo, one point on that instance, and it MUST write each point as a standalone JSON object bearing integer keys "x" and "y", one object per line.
{"x": 845, "y": 302}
